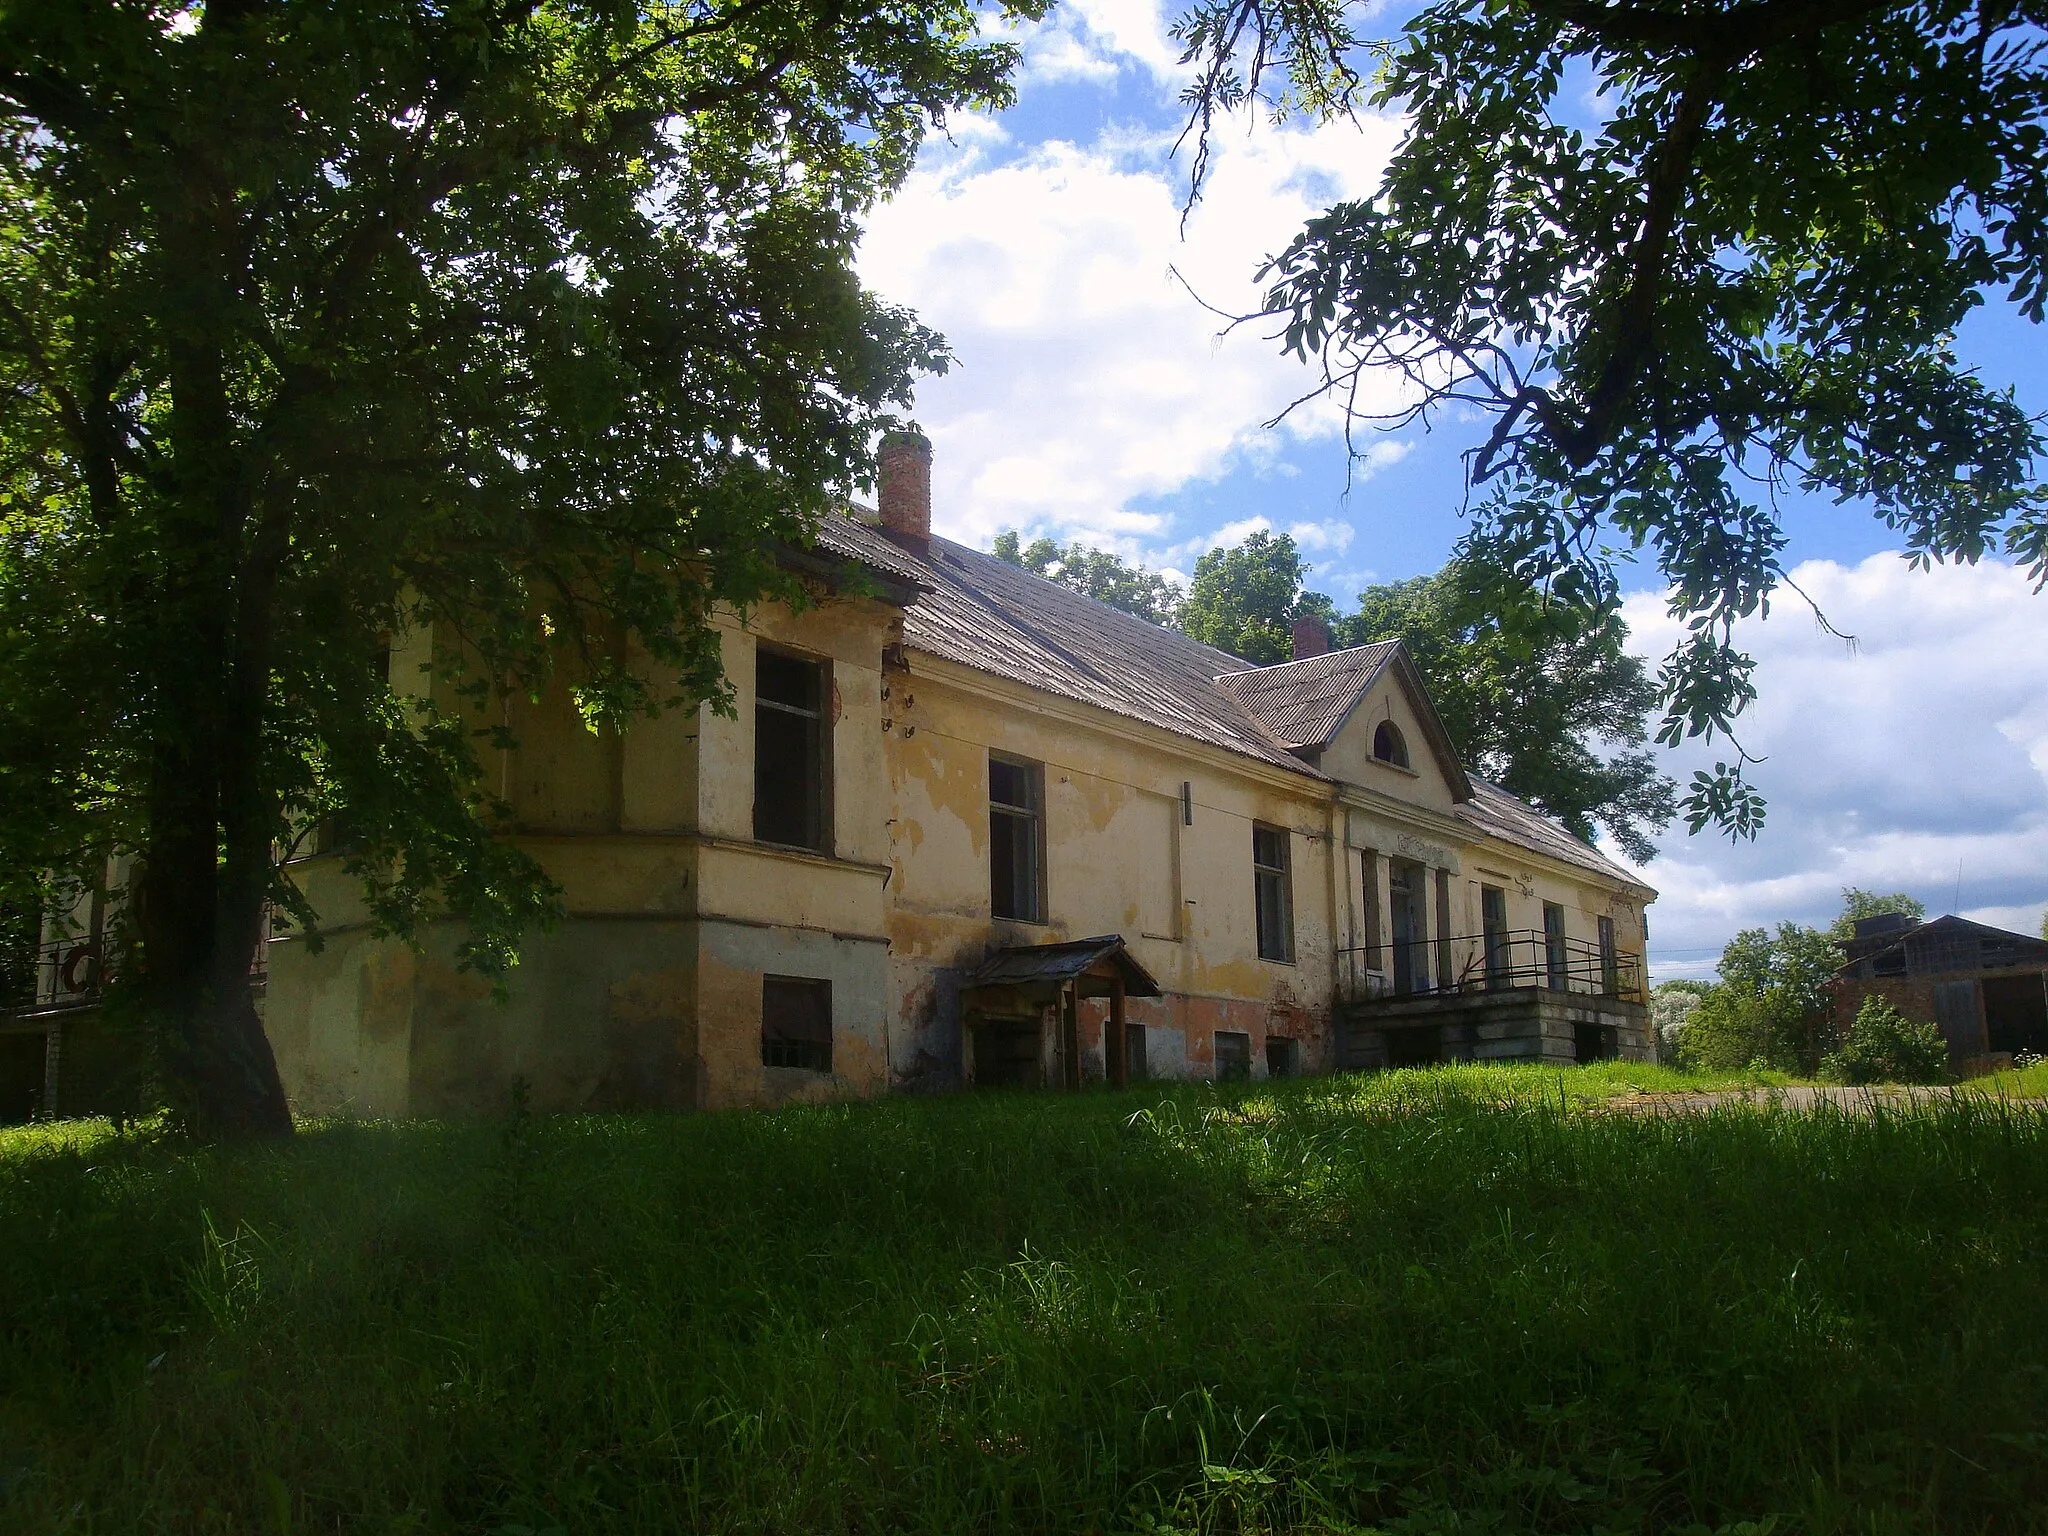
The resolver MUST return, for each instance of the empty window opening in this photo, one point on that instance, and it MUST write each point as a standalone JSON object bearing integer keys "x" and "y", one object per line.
{"x": 1283, "y": 1056}
{"x": 1415, "y": 1045}
{"x": 1233, "y": 1056}
{"x": 1389, "y": 746}
{"x": 791, "y": 781}
{"x": 1273, "y": 893}
{"x": 1016, "y": 839}
{"x": 1595, "y": 1042}
{"x": 1136, "y": 1068}
{"x": 796, "y": 1023}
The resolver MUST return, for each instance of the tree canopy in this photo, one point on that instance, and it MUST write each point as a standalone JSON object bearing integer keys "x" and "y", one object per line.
{"x": 1243, "y": 599}
{"x": 1096, "y": 573}
{"x": 1558, "y": 717}
{"x": 1859, "y": 903}
{"x": 1682, "y": 260}
{"x": 325, "y": 322}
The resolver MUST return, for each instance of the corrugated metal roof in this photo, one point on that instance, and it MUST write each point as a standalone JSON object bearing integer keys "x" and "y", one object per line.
{"x": 997, "y": 618}
{"x": 872, "y": 548}
{"x": 1027, "y": 964}
{"x": 1304, "y": 702}
{"x": 1497, "y": 813}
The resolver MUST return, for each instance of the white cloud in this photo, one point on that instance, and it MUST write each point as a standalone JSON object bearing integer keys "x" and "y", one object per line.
{"x": 1888, "y": 765}
{"x": 1088, "y": 376}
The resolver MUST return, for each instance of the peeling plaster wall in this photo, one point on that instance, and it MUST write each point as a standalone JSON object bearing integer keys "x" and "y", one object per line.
{"x": 649, "y": 992}
{"x": 1118, "y": 860}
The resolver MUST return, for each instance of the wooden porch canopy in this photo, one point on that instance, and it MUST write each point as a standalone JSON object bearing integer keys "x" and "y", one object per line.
{"x": 1061, "y": 975}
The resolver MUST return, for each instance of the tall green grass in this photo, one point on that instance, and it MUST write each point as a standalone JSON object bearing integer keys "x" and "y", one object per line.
{"x": 1447, "y": 1301}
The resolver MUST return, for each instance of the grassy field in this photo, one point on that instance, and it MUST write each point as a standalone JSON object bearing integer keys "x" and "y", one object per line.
{"x": 1444, "y": 1301}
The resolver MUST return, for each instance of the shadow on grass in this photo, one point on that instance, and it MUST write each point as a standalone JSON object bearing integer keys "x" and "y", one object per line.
{"x": 1426, "y": 1301}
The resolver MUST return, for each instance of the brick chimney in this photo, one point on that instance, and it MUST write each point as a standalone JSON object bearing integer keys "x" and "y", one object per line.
{"x": 905, "y": 497}
{"x": 1311, "y": 637}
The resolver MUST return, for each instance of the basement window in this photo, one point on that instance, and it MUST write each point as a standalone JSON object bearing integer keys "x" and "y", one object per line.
{"x": 1016, "y": 839}
{"x": 791, "y": 783}
{"x": 1233, "y": 1056}
{"x": 796, "y": 1023}
{"x": 1273, "y": 893}
{"x": 1283, "y": 1056}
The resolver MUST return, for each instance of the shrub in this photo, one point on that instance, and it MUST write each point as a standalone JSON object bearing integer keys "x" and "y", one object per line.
{"x": 1884, "y": 1046}
{"x": 1730, "y": 1030}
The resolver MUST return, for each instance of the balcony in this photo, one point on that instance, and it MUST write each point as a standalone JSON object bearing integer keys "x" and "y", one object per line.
{"x": 1483, "y": 963}
{"x": 1514, "y": 994}
{"x": 71, "y": 973}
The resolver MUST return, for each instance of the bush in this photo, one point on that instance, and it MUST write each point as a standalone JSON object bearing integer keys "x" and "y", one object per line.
{"x": 1729, "y": 1030}
{"x": 1884, "y": 1046}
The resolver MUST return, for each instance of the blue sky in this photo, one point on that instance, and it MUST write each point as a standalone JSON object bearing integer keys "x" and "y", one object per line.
{"x": 1095, "y": 398}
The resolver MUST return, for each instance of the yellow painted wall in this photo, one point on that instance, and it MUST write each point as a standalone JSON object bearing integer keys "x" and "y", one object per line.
{"x": 649, "y": 993}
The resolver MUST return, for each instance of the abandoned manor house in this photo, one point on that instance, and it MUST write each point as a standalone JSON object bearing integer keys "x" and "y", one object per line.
{"x": 969, "y": 828}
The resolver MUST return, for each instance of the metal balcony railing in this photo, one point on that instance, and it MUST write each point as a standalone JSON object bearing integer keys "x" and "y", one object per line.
{"x": 72, "y": 972}
{"x": 1488, "y": 962}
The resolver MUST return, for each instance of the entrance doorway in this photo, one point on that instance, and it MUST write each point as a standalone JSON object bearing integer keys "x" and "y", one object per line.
{"x": 2016, "y": 1013}
{"x": 1406, "y": 884}
{"x": 1006, "y": 1053}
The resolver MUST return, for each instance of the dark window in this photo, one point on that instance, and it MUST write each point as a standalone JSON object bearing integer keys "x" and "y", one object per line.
{"x": 791, "y": 784}
{"x": 1233, "y": 1056}
{"x": 1610, "y": 960}
{"x": 1556, "y": 972}
{"x": 1493, "y": 921}
{"x": 1283, "y": 1056}
{"x": 1595, "y": 1042}
{"x": 796, "y": 1023}
{"x": 1388, "y": 746}
{"x": 1016, "y": 839}
{"x": 1273, "y": 893}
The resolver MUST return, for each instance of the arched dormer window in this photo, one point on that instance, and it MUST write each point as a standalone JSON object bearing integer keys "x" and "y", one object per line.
{"x": 1388, "y": 746}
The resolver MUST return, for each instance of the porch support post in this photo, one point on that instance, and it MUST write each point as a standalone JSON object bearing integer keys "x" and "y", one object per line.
{"x": 53, "y": 1055}
{"x": 1115, "y": 1047}
{"x": 1070, "y": 1034}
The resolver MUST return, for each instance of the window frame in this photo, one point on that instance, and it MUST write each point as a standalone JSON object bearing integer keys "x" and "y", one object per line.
{"x": 1282, "y": 874}
{"x": 819, "y": 790}
{"x": 794, "y": 1046}
{"x": 1216, "y": 1038}
{"x": 1398, "y": 739}
{"x": 1557, "y": 972}
{"x": 1009, "y": 812}
{"x": 1493, "y": 936}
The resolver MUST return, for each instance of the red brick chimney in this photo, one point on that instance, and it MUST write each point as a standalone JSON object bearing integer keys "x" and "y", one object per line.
{"x": 1311, "y": 637}
{"x": 905, "y": 497}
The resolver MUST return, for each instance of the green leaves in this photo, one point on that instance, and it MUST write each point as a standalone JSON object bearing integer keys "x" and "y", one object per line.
{"x": 1096, "y": 573}
{"x": 1549, "y": 707}
{"x": 1687, "y": 261}
{"x": 533, "y": 330}
{"x": 1243, "y": 599}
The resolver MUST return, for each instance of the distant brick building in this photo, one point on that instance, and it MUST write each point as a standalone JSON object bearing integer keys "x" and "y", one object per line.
{"x": 1985, "y": 988}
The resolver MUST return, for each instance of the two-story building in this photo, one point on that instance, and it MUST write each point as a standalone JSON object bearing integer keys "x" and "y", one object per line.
{"x": 968, "y": 827}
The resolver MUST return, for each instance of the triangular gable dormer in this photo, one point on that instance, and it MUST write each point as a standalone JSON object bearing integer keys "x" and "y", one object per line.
{"x": 1362, "y": 716}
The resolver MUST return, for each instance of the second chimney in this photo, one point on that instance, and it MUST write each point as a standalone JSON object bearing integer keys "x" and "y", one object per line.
{"x": 1311, "y": 637}
{"x": 904, "y": 497}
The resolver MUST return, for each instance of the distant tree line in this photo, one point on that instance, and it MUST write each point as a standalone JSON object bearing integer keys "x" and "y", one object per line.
{"x": 1556, "y": 713}
{"x": 1771, "y": 1009}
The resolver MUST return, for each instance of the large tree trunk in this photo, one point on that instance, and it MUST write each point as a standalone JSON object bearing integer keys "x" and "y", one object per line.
{"x": 207, "y": 871}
